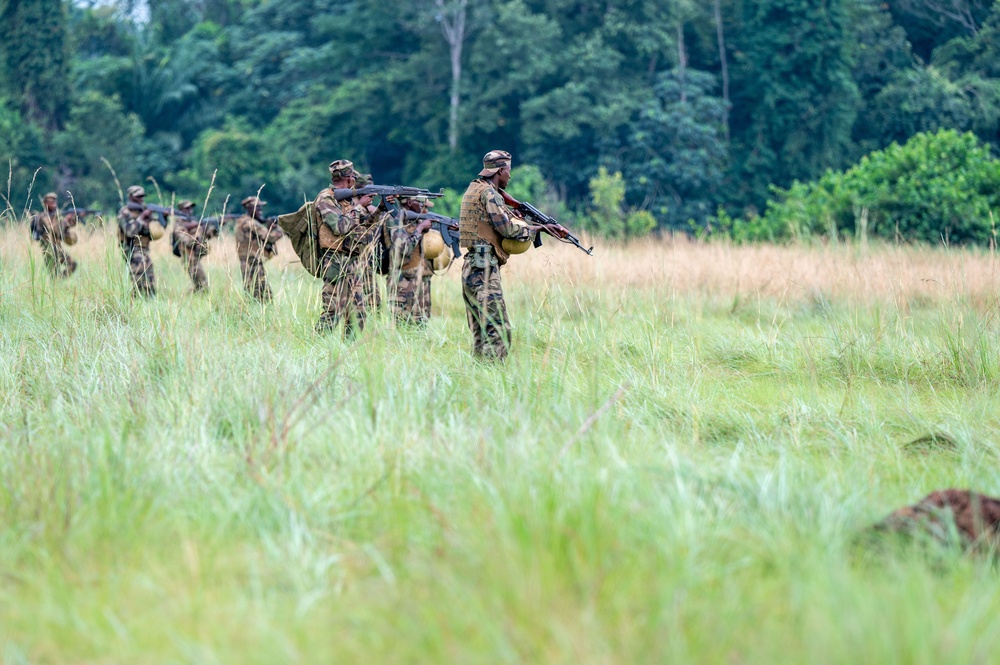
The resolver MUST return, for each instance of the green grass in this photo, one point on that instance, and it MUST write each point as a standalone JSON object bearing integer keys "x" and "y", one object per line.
{"x": 202, "y": 480}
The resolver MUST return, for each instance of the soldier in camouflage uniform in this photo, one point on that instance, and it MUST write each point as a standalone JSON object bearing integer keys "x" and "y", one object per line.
{"x": 349, "y": 233}
{"x": 409, "y": 281}
{"x": 484, "y": 223}
{"x": 255, "y": 243}
{"x": 136, "y": 227}
{"x": 51, "y": 229}
{"x": 190, "y": 241}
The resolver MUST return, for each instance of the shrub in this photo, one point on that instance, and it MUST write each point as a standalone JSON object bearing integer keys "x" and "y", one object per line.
{"x": 936, "y": 187}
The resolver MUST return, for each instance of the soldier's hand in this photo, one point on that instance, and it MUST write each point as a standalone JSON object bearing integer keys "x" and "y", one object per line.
{"x": 146, "y": 214}
{"x": 423, "y": 227}
{"x": 558, "y": 230}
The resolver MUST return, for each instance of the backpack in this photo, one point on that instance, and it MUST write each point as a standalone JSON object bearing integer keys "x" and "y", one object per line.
{"x": 303, "y": 231}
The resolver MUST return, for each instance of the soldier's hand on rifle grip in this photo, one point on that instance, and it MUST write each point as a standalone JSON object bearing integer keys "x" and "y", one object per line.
{"x": 423, "y": 227}
{"x": 365, "y": 200}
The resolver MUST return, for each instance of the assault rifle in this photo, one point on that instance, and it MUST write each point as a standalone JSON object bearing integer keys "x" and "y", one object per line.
{"x": 533, "y": 214}
{"x": 81, "y": 213}
{"x": 215, "y": 222}
{"x": 446, "y": 226}
{"x": 385, "y": 191}
{"x": 159, "y": 210}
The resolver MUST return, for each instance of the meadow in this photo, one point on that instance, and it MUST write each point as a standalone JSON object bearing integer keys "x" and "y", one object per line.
{"x": 673, "y": 466}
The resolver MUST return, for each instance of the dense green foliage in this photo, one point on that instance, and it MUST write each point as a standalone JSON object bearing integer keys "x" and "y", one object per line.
{"x": 935, "y": 188}
{"x": 698, "y": 105}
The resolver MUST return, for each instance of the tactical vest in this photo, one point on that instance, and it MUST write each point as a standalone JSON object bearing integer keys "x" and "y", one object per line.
{"x": 49, "y": 226}
{"x": 354, "y": 243}
{"x": 473, "y": 224}
{"x": 141, "y": 240}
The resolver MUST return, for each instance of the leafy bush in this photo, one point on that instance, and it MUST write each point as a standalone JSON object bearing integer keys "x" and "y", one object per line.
{"x": 608, "y": 216}
{"x": 936, "y": 187}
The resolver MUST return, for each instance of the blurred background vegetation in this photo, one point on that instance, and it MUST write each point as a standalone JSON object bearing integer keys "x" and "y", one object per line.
{"x": 743, "y": 117}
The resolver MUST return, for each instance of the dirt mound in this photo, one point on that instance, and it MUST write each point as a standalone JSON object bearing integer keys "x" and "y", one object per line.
{"x": 946, "y": 514}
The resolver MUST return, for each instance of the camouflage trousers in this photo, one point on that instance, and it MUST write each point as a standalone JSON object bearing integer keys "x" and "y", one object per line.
{"x": 485, "y": 310}
{"x": 350, "y": 293}
{"x": 57, "y": 260}
{"x": 191, "y": 257}
{"x": 411, "y": 296}
{"x": 255, "y": 278}
{"x": 140, "y": 267}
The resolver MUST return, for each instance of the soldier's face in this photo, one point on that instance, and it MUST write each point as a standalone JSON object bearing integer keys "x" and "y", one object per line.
{"x": 503, "y": 177}
{"x": 138, "y": 199}
{"x": 50, "y": 204}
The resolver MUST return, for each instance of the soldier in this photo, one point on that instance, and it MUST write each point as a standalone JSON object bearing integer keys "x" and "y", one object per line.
{"x": 410, "y": 273}
{"x": 255, "y": 243}
{"x": 484, "y": 224}
{"x": 190, "y": 242}
{"x": 136, "y": 228}
{"x": 348, "y": 239}
{"x": 51, "y": 229}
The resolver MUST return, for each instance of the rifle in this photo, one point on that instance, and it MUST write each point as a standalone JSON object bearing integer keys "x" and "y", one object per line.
{"x": 159, "y": 210}
{"x": 385, "y": 191}
{"x": 446, "y": 226}
{"x": 214, "y": 222}
{"x": 533, "y": 214}
{"x": 81, "y": 213}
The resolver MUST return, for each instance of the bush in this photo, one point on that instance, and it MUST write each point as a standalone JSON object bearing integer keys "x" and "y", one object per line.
{"x": 936, "y": 187}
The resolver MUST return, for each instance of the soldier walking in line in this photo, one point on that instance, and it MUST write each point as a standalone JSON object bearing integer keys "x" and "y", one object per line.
{"x": 51, "y": 229}
{"x": 190, "y": 242}
{"x": 486, "y": 224}
{"x": 349, "y": 234}
{"x": 410, "y": 273}
{"x": 136, "y": 228}
{"x": 255, "y": 243}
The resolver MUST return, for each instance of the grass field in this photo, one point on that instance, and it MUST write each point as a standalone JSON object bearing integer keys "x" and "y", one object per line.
{"x": 672, "y": 467}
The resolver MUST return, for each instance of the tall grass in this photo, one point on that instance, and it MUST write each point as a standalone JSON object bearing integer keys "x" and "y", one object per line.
{"x": 673, "y": 466}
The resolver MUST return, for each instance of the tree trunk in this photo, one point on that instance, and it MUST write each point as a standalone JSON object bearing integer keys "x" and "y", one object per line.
{"x": 452, "y": 20}
{"x": 724, "y": 64}
{"x": 681, "y": 61}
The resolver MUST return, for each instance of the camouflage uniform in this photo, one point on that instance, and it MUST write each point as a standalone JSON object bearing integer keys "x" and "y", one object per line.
{"x": 255, "y": 242}
{"x": 51, "y": 230}
{"x": 484, "y": 222}
{"x": 348, "y": 239}
{"x": 409, "y": 276}
{"x": 191, "y": 244}
{"x": 133, "y": 235}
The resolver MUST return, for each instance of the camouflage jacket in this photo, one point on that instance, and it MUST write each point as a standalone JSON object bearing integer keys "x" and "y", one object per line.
{"x": 51, "y": 227}
{"x": 255, "y": 238}
{"x": 131, "y": 229}
{"x": 405, "y": 246}
{"x": 484, "y": 217}
{"x": 347, "y": 227}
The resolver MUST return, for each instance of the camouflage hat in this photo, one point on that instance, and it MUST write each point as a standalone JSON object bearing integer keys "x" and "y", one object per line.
{"x": 341, "y": 168}
{"x": 50, "y": 195}
{"x": 252, "y": 202}
{"x": 185, "y": 204}
{"x": 135, "y": 191}
{"x": 493, "y": 161}
{"x": 363, "y": 179}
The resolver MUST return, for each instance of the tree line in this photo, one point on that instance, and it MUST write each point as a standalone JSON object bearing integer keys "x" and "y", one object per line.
{"x": 673, "y": 113}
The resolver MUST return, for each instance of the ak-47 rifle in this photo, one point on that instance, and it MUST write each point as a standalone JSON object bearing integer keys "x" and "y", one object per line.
{"x": 446, "y": 226}
{"x": 161, "y": 211}
{"x": 213, "y": 222}
{"x": 81, "y": 213}
{"x": 398, "y": 191}
{"x": 533, "y": 214}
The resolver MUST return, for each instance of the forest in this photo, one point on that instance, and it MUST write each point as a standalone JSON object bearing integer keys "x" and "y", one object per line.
{"x": 678, "y": 115}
